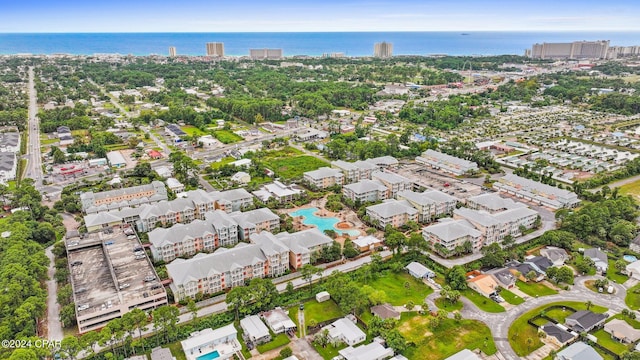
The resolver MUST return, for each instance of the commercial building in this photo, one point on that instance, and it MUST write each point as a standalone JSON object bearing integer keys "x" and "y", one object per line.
{"x": 255, "y": 221}
{"x": 365, "y": 191}
{"x": 449, "y": 234}
{"x": 262, "y": 54}
{"x": 383, "y": 50}
{"x": 447, "y": 163}
{"x": 110, "y": 275}
{"x": 394, "y": 182}
{"x": 429, "y": 204}
{"x": 216, "y": 230}
{"x": 227, "y": 268}
{"x": 116, "y": 159}
{"x": 215, "y": 49}
{"x": 573, "y": 50}
{"x": 172, "y": 51}
{"x": 120, "y": 198}
{"x": 392, "y": 212}
{"x": 324, "y": 177}
{"x": 221, "y": 343}
{"x": 537, "y": 192}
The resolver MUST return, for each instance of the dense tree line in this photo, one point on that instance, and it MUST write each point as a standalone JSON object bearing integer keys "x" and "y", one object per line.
{"x": 469, "y": 151}
{"x": 349, "y": 147}
{"x": 444, "y": 114}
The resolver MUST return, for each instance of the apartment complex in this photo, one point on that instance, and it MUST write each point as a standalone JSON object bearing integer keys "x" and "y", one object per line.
{"x": 255, "y": 221}
{"x": 8, "y": 166}
{"x": 110, "y": 275}
{"x": 495, "y": 227}
{"x": 492, "y": 203}
{"x": 430, "y": 204}
{"x": 448, "y": 163}
{"x": 120, "y": 198}
{"x": 324, "y": 177}
{"x": 365, "y": 191}
{"x": 392, "y": 212}
{"x": 303, "y": 244}
{"x": 394, "y": 182}
{"x": 450, "y": 233}
{"x": 215, "y": 49}
{"x": 232, "y": 200}
{"x": 573, "y": 50}
{"x": 262, "y": 54}
{"x": 216, "y": 230}
{"x": 355, "y": 171}
{"x": 383, "y": 50}
{"x": 227, "y": 268}
{"x": 537, "y": 192}
{"x": 280, "y": 192}
{"x": 615, "y": 52}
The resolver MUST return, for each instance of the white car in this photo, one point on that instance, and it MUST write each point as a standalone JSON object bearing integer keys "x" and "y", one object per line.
{"x": 83, "y": 307}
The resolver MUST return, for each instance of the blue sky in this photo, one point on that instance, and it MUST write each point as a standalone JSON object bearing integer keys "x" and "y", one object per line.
{"x": 318, "y": 15}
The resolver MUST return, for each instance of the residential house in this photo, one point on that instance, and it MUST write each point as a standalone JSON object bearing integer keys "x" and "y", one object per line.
{"x": 599, "y": 259}
{"x": 635, "y": 244}
{"x": 223, "y": 341}
{"x": 174, "y": 185}
{"x": 557, "y": 256}
{"x": 558, "y": 333}
{"x": 621, "y": 331}
{"x": 254, "y": 330}
{"x": 254, "y": 221}
{"x": 371, "y": 351}
{"x": 303, "y": 244}
{"x": 367, "y": 243}
{"x": 159, "y": 353}
{"x": 8, "y": 167}
{"x": 365, "y": 191}
{"x": 345, "y": 331}
{"x": 539, "y": 263}
{"x": 394, "y": 182}
{"x": 447, "y": 163}
{"x": 449, "y": 234}
{"x": 430, "y": 204}
{"x": 484, "y": 284}
{"x": 391, "y": 212}
{"x": 584, "y": 321}
{"x": 464, "y": 354}
{"x": 241, "y": 177}
{"x": 633, "y": 270}
{"x": 503, "y": 277}
{"x": 385, "y": 311}
{"x": 578, "y": 351}
{"x": 419, "y": 271}
{"x": 278, "y": 321}
{"x": 324, "y": 177}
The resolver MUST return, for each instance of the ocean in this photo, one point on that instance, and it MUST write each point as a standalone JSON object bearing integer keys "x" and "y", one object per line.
{"x": 292, "y": 43}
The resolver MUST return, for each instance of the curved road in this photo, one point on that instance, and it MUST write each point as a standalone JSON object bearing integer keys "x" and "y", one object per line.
{"x": 499, "y": 323}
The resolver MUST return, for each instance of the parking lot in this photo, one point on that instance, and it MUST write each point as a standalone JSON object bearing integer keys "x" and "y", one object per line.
{"x": 429, "y": 178}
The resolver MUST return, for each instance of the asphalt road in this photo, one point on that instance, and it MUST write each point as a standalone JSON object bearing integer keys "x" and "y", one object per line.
{"x": 54, "y": 327}
{"x": 34, "y": 161}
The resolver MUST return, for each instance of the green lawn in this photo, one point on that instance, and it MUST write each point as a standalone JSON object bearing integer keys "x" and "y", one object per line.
{"x": 222, "y": 162}
{"x": 393, "y": 284}
{"x": 633, "y": 322}
{"x": 47, "y": 141}
{"x": 192, "y": 130}
{"x": 294, "y": 167}
{"x": 558, "y": 315}
{"x": 633, "y": 297}
{"x": 293, "y": 314}
{"x": 226, "y": 136}
{"x": 631, "y": 189}
{"x": 605, "y": 340}
{"x": 484, "y": 303}
{"x": 279, "y": 340}
{"x": 445, "y": 304}
{"x": 520, "y": 330}
{"x": 510, "y": 297}
{"x": 329, "y": 352}
{"x": 449, "y": 338}
{"x": 535, "y": 289}
{"x": 614, "y": 275}
{"x": 319, "y": 312}
{"x": 176, "y": 350}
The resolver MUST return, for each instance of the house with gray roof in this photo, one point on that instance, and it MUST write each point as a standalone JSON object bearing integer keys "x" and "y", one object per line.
{"x": 8, "y": 166}
{"x": 578, "y": 351}
{"x": 365, "y": 191}
{"x": 10, "y": 142}
{"x": 448, "y": 163}
{"x": 449, "y": 233}
{"x": 599, "y": 258}
{"x": 558, "y": 333}
{"x": 391, "y": 212}
{"x": 419, "y": 271}
{"x": 557, "y": 256}
{"x": 254, "y": 330}
{"x": 430, "y": 203}
{"x": 371, "y": 351}
{"x": 585, "y": 320}
{"x": 253, "y": 221}
{"x": 503, "y": 277}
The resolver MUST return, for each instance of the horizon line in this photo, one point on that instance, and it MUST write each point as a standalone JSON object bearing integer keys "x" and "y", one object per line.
{"x": 324, "y": 31}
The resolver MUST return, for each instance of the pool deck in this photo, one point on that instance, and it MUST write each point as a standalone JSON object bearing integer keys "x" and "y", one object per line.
{"x": 326, "y": 214}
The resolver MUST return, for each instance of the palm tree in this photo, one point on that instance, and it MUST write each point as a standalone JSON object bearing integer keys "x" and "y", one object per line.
{"x": 589, "y": 304}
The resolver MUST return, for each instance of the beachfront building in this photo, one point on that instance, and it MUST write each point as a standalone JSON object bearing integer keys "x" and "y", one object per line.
{"x": 324, "y": 177}
{"x": 448, "y": 234}
{"x": 430, "y": 204}
{"x": 447, "y": 163}
{"x": 383, "y": 50}
{"x": 537, "y": 192}
{"x": 120, "y": 198}
{"x": 221, "y": 343}
{"x": 303, "y": 244}
{"x": 215, "y": 49}
{"x": 365, "y": 191}
{"x": 228, "y": 268}
{"x": 255, "y": 221}
{"x": 391, "y": 212}
{"x": 394, "y": 182}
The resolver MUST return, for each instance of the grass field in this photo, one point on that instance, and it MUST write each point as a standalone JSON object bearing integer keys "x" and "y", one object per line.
{"x": 279, "y": 340}
{"x": 632, "y": 189}
{"x": 192, "y": 130}
{"x": 226, "y": 136}
{"x": 176, "y": 350}
{"x": 605, "y": 340}
{"x": 614, "y": 275}
{"x": 319, "y": 312}
{"x": 633, "y": 297}
{"x": 293, "y": 315}
{"x": 482, "y": 302}
{"x": 329, "y": 352}
{"x": 393, "y": 284}
{"x": 445, "y": 304}
{"x": 520, "y": 330}
{"x": 446, "y": 340}
{"x": 294, "y": 167}
{"x": 534, "y": 289}
{"x": 510, "y": 297}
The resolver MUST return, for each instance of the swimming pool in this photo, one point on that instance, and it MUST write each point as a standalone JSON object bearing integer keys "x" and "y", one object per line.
{"x": 210, "y": 356}
{"x": 630, "y": 258}
{"x": 322, "y": 223}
